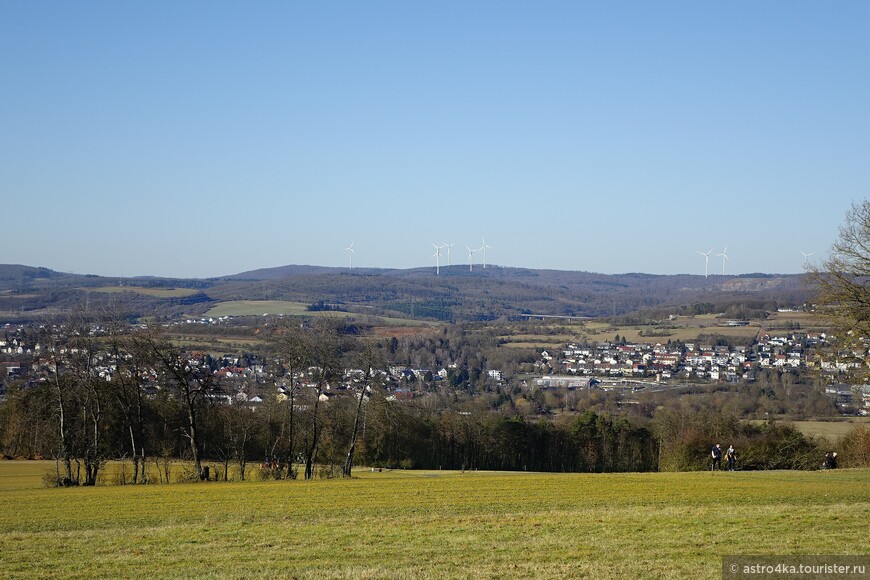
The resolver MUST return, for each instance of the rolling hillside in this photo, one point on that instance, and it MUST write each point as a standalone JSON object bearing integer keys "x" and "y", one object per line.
{"x": 457, "y": 294}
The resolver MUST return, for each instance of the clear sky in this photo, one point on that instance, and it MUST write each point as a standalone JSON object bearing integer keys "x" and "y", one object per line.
{"x": 200, "y": 139}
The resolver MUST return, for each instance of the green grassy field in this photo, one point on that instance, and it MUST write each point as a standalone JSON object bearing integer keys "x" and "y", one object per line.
{"x": 833, "y": 431}
{"x": 807, "y": 321}
{"x": 683, "y": 328}
{"x": 154, "y": 292}
{"x": 258, "y": 308}
{"x": 408, "y": 524}
{"x": 278, "y": 307}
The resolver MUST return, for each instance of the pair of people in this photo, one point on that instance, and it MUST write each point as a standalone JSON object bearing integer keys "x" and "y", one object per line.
{"x": 830, "y": 460}
{"x": 730, "y": 457}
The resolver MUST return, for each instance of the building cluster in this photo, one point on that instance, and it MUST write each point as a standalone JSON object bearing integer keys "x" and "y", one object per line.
{"x": 646, "y": 360}
{"x": 248, "y": 379}
{"x": 253, "y": 380}
{"x": 578, "y": 366}
{"x": 688, "y": 360}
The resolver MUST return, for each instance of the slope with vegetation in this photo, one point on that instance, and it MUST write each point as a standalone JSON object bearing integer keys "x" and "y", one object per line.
{"x": 456, "y": 295}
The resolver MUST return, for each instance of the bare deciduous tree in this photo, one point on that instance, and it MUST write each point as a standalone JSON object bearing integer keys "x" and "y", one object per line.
{"x": 324, "y": 351}
{"x": 133, "y": 362}
{"x": 371, "y": 362}
{"x": 192, "y": 381}
{"x": 291, "y": 352}
{"x": 843, "y": 280}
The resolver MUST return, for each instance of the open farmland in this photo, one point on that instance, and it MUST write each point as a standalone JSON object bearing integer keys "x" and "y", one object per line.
{"x": 214, "y": 345}
{"x": 260, "y": 307}
{"x": 281, "y": 307}
{"x": 831, "y": 430}
{"x": 806, "y": 321}
{"x": 537, "y": 341}
{"x": 431, "y": 524}
{"x": 682, "y": 328}
{"x": 153, "y": 292}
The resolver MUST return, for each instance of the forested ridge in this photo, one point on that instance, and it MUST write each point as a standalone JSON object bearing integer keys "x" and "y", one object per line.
{"x": 456, "y": 295}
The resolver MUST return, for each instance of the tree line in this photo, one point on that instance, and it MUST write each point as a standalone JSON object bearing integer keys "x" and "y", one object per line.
{"x": 106, "y": 391}
{"x": 327, "y": 403}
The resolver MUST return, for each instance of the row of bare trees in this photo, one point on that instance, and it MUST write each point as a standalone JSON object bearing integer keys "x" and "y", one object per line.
{"x": 105, "y": 390}
{"x": 108, "y": 391}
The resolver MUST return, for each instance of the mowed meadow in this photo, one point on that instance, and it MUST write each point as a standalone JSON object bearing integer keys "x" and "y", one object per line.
{"x": 411, "y": 524}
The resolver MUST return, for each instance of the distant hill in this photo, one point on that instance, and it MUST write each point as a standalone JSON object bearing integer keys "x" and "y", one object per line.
{"x": 279, "y": 272}
{"x": 457, "y": 294}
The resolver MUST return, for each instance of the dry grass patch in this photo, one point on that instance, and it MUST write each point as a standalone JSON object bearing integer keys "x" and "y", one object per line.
{"x": 435, "y": 524}
{"x": 153, "y": 292}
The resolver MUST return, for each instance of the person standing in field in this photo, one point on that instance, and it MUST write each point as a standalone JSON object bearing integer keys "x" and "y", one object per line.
{"x": 717, "y": 457}
{"x": 731, "y": 457}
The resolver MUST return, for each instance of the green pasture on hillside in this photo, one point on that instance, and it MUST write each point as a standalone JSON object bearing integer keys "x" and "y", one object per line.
{"x": 537, "y": 341}
{"x": 259, "y": 308}
{"x": 214, "y": 345}
{"x": 555, "y": 336}
{"x": 832, "y": 430}
{"x": 779, "y": 322}
{"x": 153, "y": 292}
{"x": 282, "y": 307}
{"x": 408, "y": 524}
{"x": 15, "y": 295}
{"x": 683, "y": 328}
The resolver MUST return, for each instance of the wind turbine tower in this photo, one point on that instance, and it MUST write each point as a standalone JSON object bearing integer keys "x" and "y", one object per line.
{"x": 706, "y": 260}
{"x": 437, "y": 256}
{"x": 806, "y": 258}
{"x": 448, "y": 246}
{"x": 349, "y": 251}
{"x": 724, "y": 255}
{"x": 470, "y": 258}
{"x": 484, "y": 247}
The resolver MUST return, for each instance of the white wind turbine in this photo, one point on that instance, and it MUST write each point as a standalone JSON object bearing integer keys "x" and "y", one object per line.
{"x": 806, "y": 258}
{"x": 448, "y": 246}
{"x": 437, "y": 256}
{"x": 470, "y": 258}
{"x": 706, "y": 260}
{"x": 724, "y": 255}
{"x": 349, "y": 251}
{"x": 484, "y": 247}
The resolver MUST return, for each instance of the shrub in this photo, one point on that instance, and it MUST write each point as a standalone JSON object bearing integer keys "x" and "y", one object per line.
{"x": 51, "y": 480}
{"x": 856, "y": 447}
{"x": 775, "y": 446}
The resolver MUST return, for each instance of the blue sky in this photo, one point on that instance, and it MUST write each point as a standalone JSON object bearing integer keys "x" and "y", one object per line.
{"x": 203, "y": 139}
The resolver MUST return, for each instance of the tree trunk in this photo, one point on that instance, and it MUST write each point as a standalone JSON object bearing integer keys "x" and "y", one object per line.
{"x": 65, "y": 453}
{"x": 348, "y": 462}
{"x": 291, "y": 451}
{"x": 139, "y": 435}
{"x": 312, "y": 448}
{"x": 194, "y": 441}
{"x": 93, "y": 457}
